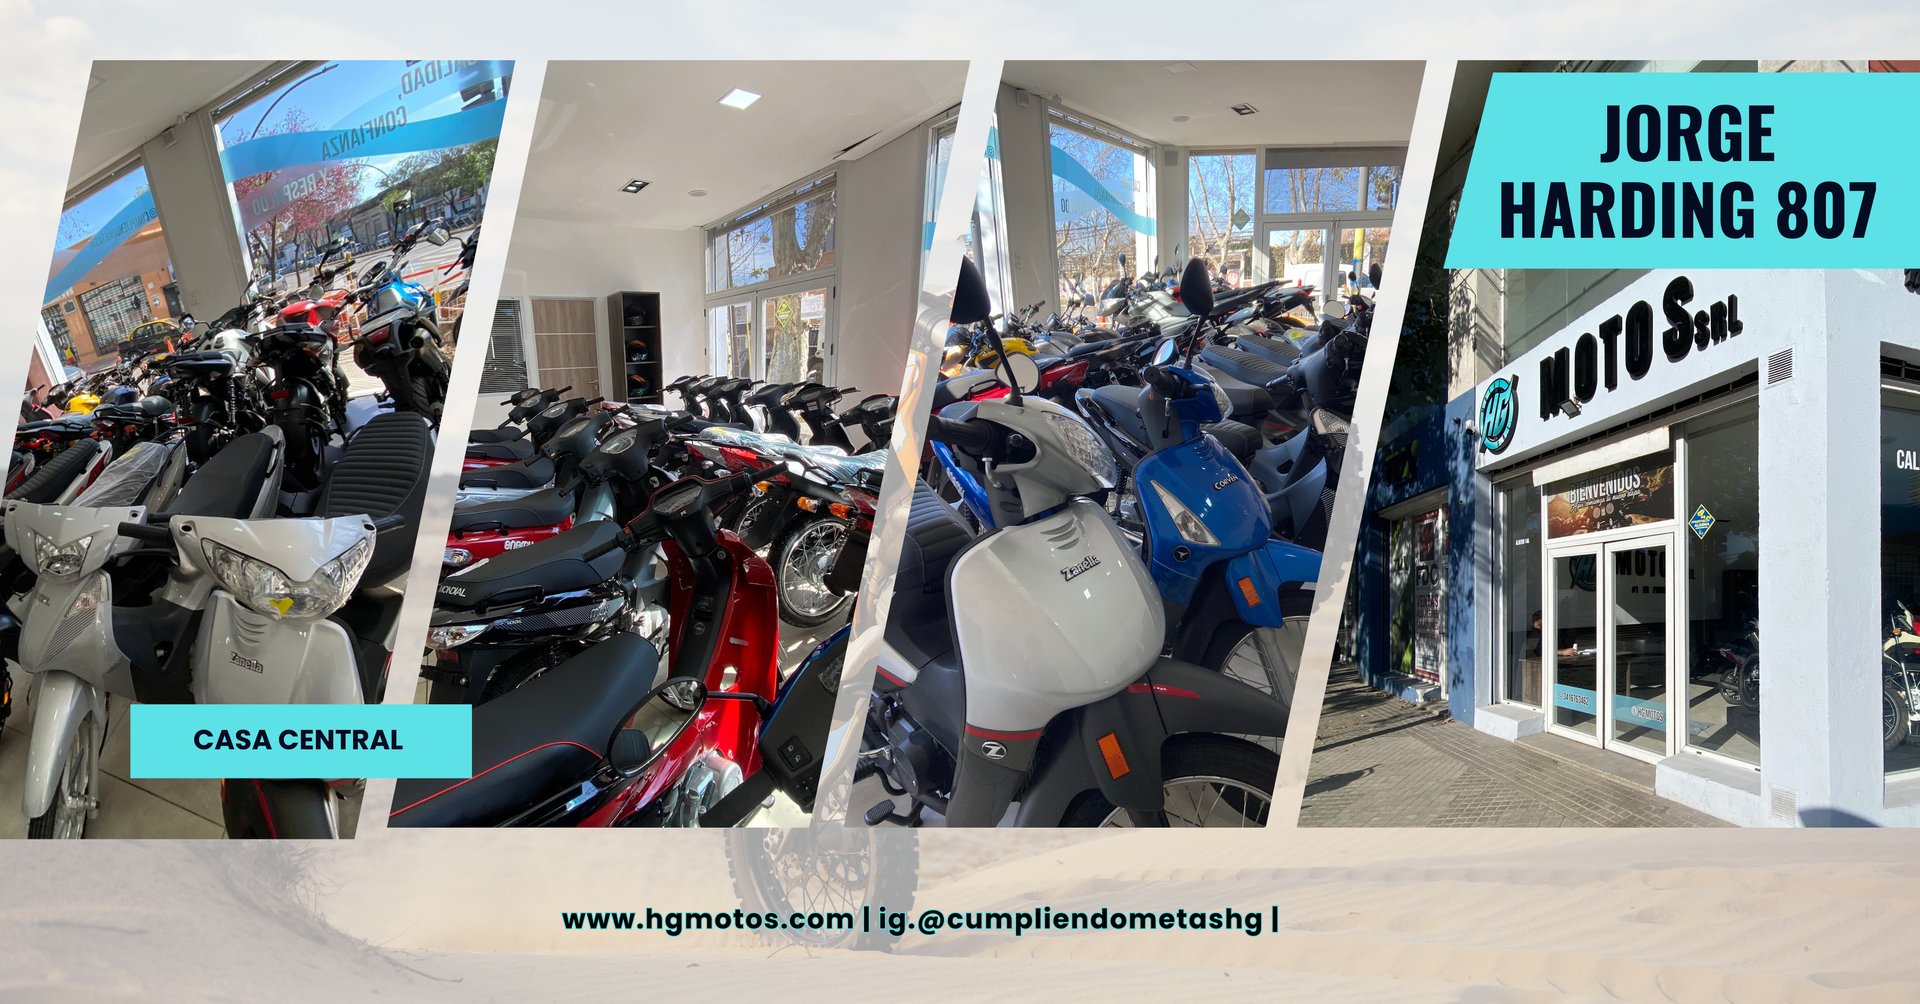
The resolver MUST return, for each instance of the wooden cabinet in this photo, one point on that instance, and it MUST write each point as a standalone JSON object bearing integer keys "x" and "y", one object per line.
{"x": 633, "y": 331}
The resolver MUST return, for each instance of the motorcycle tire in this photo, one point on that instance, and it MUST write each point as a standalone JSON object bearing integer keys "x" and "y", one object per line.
{"x": 1733, "y": 686}
{"x": 1195, "y": 758}
{"x": 84, "y": 758}
{"x": 278, "y": 809}
{"x": 785, "y": 562}
{"x": 423, "y": 395}
{"x": 1896, "y": 714}
{"x": 786, "y": 870}
{"x": 1280, "y": 681}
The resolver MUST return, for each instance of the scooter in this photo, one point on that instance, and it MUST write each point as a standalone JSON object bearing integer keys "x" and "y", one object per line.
{"x": 594, "y": 741}
{"x": 1024, "y": 666}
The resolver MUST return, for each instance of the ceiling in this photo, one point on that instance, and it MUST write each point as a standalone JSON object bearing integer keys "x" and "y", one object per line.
{"x": 1301, "y": 103}
{"x": 130, "y": 102}
{"x": 604, "y": 124}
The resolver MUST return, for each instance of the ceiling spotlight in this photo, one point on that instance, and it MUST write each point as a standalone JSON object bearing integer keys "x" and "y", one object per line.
{"x": 698, "y": 193}
{"x": 1244, "y": 109}
{"x": 1182, "y": 118}
{"x": 633, "y": 187}
{"x": 739, "y": 98}
{"x": 1180, "y": 67}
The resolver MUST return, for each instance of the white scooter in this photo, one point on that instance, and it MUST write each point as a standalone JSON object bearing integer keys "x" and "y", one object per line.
{"x": 210, "y": 601}
{"x": 1052, "y": 692}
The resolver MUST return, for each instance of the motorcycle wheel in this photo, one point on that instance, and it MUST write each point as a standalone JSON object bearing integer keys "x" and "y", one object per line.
{"x": 803, "y": 557}
{"x": 306, "y": 454}
{"x": 423, "y": 398}
{"x": 1210, "y": 781}
{"x": 1266, "y": 659}
{"x": 66, "y": 818}
{"x": 1896, "y": 710}
{"x": 260, "y": 809}
{"x": 1733, "y": 685}
{"x": 806, "y": 869}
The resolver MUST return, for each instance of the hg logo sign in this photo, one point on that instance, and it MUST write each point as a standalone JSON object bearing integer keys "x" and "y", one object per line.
{"x": 1499, "y": 412}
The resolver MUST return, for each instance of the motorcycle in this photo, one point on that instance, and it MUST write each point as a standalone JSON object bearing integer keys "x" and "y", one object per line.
{"x": 400, "y": 341}
{"x": 593, "y": 741}
{"x": 1046, "y": 687}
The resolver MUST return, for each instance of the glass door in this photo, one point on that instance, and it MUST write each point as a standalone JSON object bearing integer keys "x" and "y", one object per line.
{"x": 793, "y": 339}
{"x": 1572, "y": 649}
{"x": 1639, "y": 629}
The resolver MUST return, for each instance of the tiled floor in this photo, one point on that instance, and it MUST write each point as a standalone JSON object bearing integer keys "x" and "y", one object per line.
{"x": 128, "y": 807}
{"x": 1380, "y": 761}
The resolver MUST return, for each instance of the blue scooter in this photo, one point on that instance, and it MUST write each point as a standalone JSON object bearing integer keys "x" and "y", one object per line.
{"x": 1209, "y": 529}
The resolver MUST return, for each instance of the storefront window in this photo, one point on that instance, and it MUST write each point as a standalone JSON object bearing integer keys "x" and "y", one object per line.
{"x": 1542, "y": 302}
{"x": 789, "y": 237}
{"x": 110, "y": 270}
{"x": 1722, "y": 536}
{"x": 1900, "y": 573}
{"x": 1103, "y": 203}
{"x": 1520, "y": 594}
{"x": 1220, "y": 212}
{"x": 321, "y": 152}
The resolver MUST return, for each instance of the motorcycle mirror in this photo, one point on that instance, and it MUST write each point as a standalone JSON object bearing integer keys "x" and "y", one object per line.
{"x": 187, "y": 322}
{"x": 1196, "y": 288}
{"x": 1373, "y": 275}
{"x": 1167, "y": 353}
{"x": 402, "y": 200}
{"x": 438, "y": 235}
{"x": 646, "y": 732}
{"x": 971, "y": 304}
{"x": 1024, "y": 372}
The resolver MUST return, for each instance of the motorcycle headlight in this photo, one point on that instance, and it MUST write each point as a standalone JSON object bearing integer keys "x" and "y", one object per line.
{"x": 59, "y": 560}
{"x": 1085, "y": 447}
{"x": 263, "y": 588}
{"x": 456, "y": 557}
{"x": 454, "y": 635}
{"x": 1189, "y": 525}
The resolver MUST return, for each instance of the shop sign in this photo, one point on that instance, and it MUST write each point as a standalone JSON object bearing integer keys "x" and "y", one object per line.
{"x": 1621, "y": 350}
{"x": 1630, "y": 494}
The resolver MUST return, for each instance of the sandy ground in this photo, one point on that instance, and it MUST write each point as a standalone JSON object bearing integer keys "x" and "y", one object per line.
{"x": 1401, "y": 915}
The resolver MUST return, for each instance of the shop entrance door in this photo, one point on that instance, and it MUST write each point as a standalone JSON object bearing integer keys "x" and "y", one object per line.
{"x": 1610, "y": 664}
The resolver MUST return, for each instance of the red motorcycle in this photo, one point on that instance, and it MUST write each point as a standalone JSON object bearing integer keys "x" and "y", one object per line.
{"x": 591, "y": 741}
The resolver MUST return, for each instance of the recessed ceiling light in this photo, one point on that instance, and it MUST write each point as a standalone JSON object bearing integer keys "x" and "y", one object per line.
{"x": 698, "y": 193}
{"x": 1244, "y": 109}
{"x": 739, "y": 98}
{"x": 1181, "y": 118}
{"x": 633, "y": 187}
{"x": 1180, "y": 67}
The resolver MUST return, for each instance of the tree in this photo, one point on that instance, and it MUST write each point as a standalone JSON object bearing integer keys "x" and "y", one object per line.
{"x": 324, "y": 191}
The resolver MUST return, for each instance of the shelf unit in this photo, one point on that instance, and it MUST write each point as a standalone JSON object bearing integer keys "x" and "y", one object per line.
{"x": 633, "y": 325}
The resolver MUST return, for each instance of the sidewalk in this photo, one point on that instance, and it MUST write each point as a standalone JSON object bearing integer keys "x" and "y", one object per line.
{"x": 1380, "y": 761}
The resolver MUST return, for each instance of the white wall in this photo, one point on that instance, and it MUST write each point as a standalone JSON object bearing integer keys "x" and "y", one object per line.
{"x": 549, "y": 258}
{"x": 881, "y": 204}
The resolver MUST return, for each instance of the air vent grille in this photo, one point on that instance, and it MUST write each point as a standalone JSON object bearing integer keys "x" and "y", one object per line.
{"x": 1780, "y": 366}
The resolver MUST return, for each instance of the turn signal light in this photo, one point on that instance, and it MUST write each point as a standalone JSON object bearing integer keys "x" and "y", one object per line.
{"x": 808, "y": 504}
{"x": 762, "y": 487}
{"x": 841, "y": 509}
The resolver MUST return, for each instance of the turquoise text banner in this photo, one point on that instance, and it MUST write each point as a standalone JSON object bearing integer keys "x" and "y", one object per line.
{"x": 301, "y": 740}
{"x": 1794, "y": 170}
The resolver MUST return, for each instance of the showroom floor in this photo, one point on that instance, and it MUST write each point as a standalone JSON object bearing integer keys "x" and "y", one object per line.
{"x": 1381, "y": 761}
{"x": 128, "y": 807}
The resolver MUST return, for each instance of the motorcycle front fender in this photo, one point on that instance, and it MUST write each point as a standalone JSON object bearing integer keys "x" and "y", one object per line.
{"x": 1257, "y": 579}
{"x": 61, "y": 701}
{"x": 244, "y": 657}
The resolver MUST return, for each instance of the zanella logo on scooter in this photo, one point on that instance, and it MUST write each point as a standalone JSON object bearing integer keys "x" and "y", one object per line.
{"x": 1594, "y": 361}
{"x": 253, "y": 665}
{"x": 1079, "y": 568}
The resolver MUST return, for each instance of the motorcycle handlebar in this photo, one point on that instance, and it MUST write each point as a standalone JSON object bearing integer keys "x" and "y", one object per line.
{"x": 964, "y": 435}
{"x": 150, "y": 533}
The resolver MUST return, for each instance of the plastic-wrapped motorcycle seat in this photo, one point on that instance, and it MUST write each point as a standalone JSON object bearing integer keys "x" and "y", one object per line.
{"x": 51, "y": 478}
{"x": 127, "y": 478}
{"x": 545, "y": 507}
{"x": 1280, "y": 350}
{"x": 537, "y": 739}
{"x": 555, "y": 565}
{"x": 917, "y": 622}
{"x": 383, "y": 472}
{"x": 506, "y": 449}
{"x": 535, "y": 472}
{"x": 1120, "y": 404}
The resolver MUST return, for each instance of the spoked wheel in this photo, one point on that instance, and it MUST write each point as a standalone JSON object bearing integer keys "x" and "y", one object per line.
{"x": 804, "y": 558}
{"x": 75, "y": 796}
{"x": 823, "y": 868}
{"x": 1210, "y": 781}
{"x": 1895, "y": 712}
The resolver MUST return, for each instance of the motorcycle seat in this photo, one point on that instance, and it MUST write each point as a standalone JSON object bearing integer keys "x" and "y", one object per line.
{"x": 229, "y": 482}
{"x": 1240, "y": 439}
{"x": 917, "y": 625}
{"x": 149, "y": 407}
{"x": 543, "y": 568}
{"x": 1244, "y": 366}
{"x": 1121, "y": 406}
{"x": 383, "y": 472}
{"x": 1280, "y": 350}
{"x": 501, "y": 434}
{"x": 208, "y": 362}
{"x": 535, "y": 741}
{"x": 545, "y": 507}
{"x": 509, "y": 450}
{"x": 1243, "y": 399}
{"x": 768, "y": 395}
{"x": 51, "y": 478}
{"x": 533, "y": 472}
{"x": 63, "y": 424}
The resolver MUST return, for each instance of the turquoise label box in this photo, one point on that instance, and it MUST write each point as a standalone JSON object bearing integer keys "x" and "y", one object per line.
{"x": 1692, "y": 170}
{"x": 300, "y": 740}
